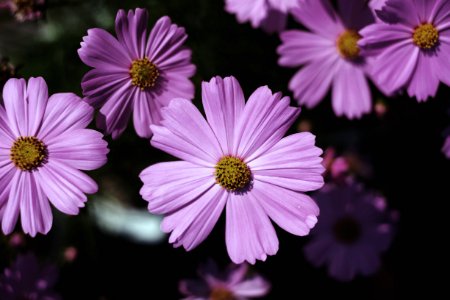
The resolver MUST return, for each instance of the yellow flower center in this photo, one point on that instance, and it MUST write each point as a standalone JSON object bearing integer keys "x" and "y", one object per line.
{"x": 347, "y": 44}
{"x": 143, "y": 73}
{"x": 426, "y": 36}
{"x": 221, "y": 294}
{"x": 28, "y": 153}
{"x": 232, "y": 173}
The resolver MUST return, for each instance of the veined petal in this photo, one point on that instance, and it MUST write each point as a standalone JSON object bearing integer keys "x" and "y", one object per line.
{"x": 131, "y": 31}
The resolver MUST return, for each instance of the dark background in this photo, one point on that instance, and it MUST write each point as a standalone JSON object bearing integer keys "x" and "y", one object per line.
{"x": 403, "y": 148}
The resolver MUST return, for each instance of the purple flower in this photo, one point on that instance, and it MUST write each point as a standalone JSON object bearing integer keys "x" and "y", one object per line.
{"x": 411, "y": 45}
{"x": 271, "y": 15}
{"x": 25, "y": 10}
{"x": 236, "y": 158}
{"x": 44, "y": 144}
{"x": 376, "y": 4}
{"x": 232, "y": 284}
{"x": 330, "y": 56}
{"x": 135, "y": 72}
{"x": 28, "y": 279}
{"x": 354, "y": 228}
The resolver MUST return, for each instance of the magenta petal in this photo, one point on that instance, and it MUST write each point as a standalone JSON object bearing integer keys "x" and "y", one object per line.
{"x": 192, "y": 224}
{"x": 82, "y": 149}
{"x": 265, "y": 120}
{"x": 351, "y": 93}
{"x": 294, "y": 212}
{"x": 424, "y": 82}
{"x": 64, "y": 186}
{"x": 313, "y": 81}
{"x": 35, "y": 212}
{"x": 131, "y": 31}
{"x": 223, "y": 101}
{"x": 14, "y": 99}
{"x": 101, "y": 50}
{"x": 146, "y": 111}
{"x": 64, "y": 112}
{"x": 284, "y": 5}
{"x": 249, "y": 233}
{"x": 7, "y": 172}
{"x": 169, "y": 186}
{"x": 299, "y": 47}
{"x": 355, "y": 14}
{"x": 11, "y": 211}
{"x": 253, "y": 287}
{"x": 186, "y": 134}
{"x": 37, "y": 93}
{"x": 7, "y": 137}
{"x": 253, "y": 11}
{"x": 441, "y": 64}
{"x": 319, "y": 17}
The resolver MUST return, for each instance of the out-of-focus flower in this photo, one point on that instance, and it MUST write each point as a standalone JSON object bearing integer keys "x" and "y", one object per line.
{"x": 232, "y": 284}
{"x": 330, "y": 56}
{"x": 411, "y": 45}
{"x": 25, "y": 10}
{"x": 135, "y": 72}
{"x": 271, "y": 15}
{"x": 380, "y": 108}
{"x": 70, "y": 254}
{"x": 446, "y": 148}
{"x": 338, "y": 168}
{"x": 7, "y": 71}
{"x": 44, "y": 144}
{"x": 236, "y": 158}
{"x": 16, "y": 240}
{"x": 28, "y": 279}
{"x": 355, "y": 226}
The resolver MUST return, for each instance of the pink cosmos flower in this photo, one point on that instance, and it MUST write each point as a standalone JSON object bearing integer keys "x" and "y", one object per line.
{"x": 411, "y": 46}
{"x": 234, "y": 283}
{"x": 25, "y": 10}
{"x": 28, "y": 279}
{"x": 44, "y": 144}
{"x": 271, "y": 15}
{"x": 237, "y": 158}
{"x": 376, "y": 4}
{"x": 330, "y": 56}
{"x": 354, "y": 228}
{"x": 135, "y": 73}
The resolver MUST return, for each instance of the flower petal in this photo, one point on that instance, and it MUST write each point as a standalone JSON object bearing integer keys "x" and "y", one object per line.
{"x": 14, "y": 99}
{"x": 355, "y": 14}
{"x": 82, "y": 149}
{"x": 299, "y": 47}
{"x": 170, "y": 186}
{"x": 253, "y": 287}
{"x": 131, "y": 31}
{"x": 101, "y": 50}
{"x": 319, "y": 17}
{"x": 249, "y": 233}
{"x": 351, "y": 93}
{"x": 379, "y": 36}
{"x": 223, "y": 101}
{"x": 294, "y": 212}
{"x": 264, "y": 121}
{"x": 11, "y": 211}
{"x": 7, "y": 173}
{"x": 275, "y": 21}
{"x": 65, "y": 186}
{"x": 64, "y": 112}
{"x": 37, "y": 95}
{"x": 35, "y": 212}
{"x": 193, "y": 223}
{"x": 253, "y": 11}
{"x": 146, "y": 111}
{"x": 312, "y": 82}
{"x": 424, "y": 82}
{"x": 185, "y": 134}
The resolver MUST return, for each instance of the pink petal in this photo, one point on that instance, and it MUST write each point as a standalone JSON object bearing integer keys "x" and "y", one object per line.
{"x": 169, "y": 186}
{"x": 265, "y": 120}
{"x": 254, "y": 287}
{"x": 14, "y": 99}
{"x": 440, "y": 14}
{"x": 146, "y": 111}
{"x": 192, "y": 224}
{"x": 223, "y": 101}
{"x": 355, "y": 14}
{"x": 64, "y": 112}
{"x": 7, "y": 137}
{"x": 283, "y": 5}
{"x": 82, "y": 149}
{"x": 65, "y": 186}
{"x": 254, "y": 11}
{"x": 319, "y": 17}
{"x": 351, "y": 93}
{"x": 131, "y": 31}
{"x": 377, "y": 37}
{"x": 7, "y": 173}
{"x": 424, "y": 82}
{"x": 186, "y": 135}
{"x": 312, "y": 82}
{"x": 35, "y": 212}
{"x": 249, "y": 233}
{"x": 37, "y": 95}
{"x": 275, "y": 21}
{"x": 300, "y": 47}
{"x": 294, "y": 212}
{"x": 11, "y": 211}
{"x": 101, "y": 50}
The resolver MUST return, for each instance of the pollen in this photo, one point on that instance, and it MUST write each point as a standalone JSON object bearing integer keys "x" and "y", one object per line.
{"x": 220, "y": 293}
{"x": 347, "y": 44}
{"x": 28, "y": 153}
{"x": 232, "y": 173}
{"x": 144, "y": 73}
{"x": 426, "y": 36}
